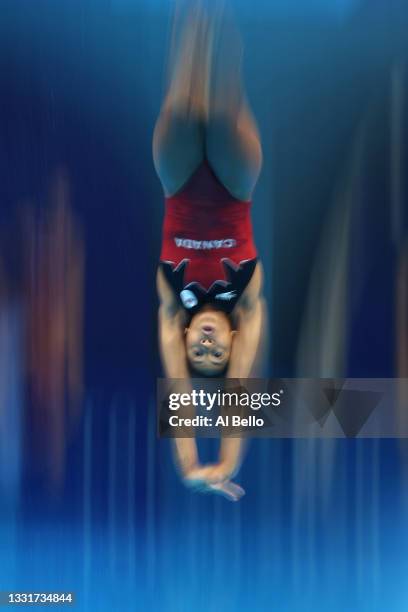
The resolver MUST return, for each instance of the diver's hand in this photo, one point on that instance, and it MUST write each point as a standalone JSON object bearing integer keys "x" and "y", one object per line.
{"x": 212, "y": 473}
{"x": 228, "y": 489}
{"x": 210, "y": 479}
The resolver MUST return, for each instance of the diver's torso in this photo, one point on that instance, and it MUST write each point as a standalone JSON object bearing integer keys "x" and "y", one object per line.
{"x": 208, "y": 254}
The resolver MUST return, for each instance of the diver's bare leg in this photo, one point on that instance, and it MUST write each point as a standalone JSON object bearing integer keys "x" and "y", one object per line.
{"x": 233, "y": 144}
{"x": 178, "y": 140}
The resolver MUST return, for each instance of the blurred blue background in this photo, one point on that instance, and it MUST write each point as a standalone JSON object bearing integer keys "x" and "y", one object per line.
{"x": 90, "y": 498}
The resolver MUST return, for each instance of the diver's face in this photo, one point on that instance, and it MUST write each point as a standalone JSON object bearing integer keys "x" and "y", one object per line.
{"x": 208, "y": 342}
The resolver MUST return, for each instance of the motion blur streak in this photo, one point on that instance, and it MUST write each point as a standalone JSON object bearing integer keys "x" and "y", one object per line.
{"x": 54, "y": 304}
{"x": 41, "y": 333}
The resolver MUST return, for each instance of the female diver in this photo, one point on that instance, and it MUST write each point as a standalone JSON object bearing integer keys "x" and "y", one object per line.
{"x": 207, "y": 154}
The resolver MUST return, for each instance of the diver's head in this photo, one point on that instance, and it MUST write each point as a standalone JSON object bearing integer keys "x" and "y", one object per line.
{"x": 209, "y": 342}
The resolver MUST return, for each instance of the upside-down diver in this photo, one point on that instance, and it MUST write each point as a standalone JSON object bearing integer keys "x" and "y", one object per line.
{"x": 207, "y": 154}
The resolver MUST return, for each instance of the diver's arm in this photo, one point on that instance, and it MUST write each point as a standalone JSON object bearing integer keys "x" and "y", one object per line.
{"x": 246, "y": 356}
{"x": 171, "y": 332}
{"x": 172, "y": 348}
{"x": 175, "y": 366}
{"x": 174, "y": 360}
{"x": 245, "y": 353}
{"x": 250, "y": 315}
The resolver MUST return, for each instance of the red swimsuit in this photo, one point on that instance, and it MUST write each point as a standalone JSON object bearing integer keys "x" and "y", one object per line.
{"x": 207, "y": 235}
